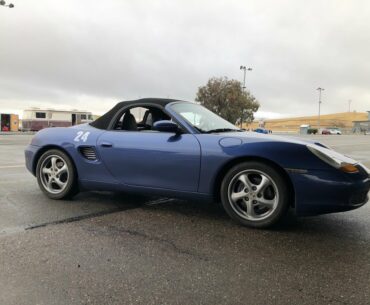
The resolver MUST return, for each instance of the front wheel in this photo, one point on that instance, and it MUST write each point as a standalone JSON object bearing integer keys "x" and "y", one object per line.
{"x": 255, "y": 194}
{"x": 56, "y": 175}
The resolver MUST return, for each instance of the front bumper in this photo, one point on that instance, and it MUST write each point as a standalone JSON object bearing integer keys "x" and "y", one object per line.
{"x": 320, "y": 192}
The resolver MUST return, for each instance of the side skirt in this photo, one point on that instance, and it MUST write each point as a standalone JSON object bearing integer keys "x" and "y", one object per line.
{"x": 88, "y": 185}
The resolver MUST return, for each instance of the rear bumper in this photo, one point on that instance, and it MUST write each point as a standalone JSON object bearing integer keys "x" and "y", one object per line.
{"x": 30, "y": 154}
{"x": 320, "y": 192}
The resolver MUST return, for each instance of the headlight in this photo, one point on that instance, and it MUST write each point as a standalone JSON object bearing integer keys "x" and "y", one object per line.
{"x": 334, "y": 159}
{"x": 367, "y": 170}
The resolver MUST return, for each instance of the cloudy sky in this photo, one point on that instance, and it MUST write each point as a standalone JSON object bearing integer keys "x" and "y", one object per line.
{"x": 89, "y": 54}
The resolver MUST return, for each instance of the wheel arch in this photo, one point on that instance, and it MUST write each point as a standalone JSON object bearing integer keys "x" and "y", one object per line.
{"x": 226, "y": 167}
{"x": 50, "y": 147}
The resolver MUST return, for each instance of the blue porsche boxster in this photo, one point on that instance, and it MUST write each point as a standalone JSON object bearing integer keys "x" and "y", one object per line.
{"x": 175, "y": 148}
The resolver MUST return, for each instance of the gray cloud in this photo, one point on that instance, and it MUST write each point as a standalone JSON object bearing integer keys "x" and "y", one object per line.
{"x": 90, "y": 54}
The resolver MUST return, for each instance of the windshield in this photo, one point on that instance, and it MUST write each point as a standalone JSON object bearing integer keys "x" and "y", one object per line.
{"x": 203, "y": 119}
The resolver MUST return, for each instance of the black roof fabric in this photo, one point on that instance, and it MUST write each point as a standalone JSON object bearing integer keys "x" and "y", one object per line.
{"x": 104, "y": 121}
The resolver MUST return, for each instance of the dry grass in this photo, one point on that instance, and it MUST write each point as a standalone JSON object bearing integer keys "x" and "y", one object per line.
{"x": 342, "y": 120}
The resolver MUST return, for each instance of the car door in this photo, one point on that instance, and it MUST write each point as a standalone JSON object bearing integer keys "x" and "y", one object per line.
{"x": 152, "y": 159}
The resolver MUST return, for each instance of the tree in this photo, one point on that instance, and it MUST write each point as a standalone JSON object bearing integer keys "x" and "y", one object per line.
{"x": 3, "y": 3}
{"x": 227, "y": 98}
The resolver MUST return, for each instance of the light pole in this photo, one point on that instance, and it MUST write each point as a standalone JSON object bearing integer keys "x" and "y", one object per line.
{"x": 318, "y": 121}
{"x": 245, "y": 69}
{"x": 3, "y": 3}
{"x": 349, "y": 105}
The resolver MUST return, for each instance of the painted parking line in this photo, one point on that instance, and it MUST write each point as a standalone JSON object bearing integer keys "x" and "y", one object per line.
{"x": 348, "y": 144}
{"x": 11, "y": 166}
{"x": 13, "y": 181}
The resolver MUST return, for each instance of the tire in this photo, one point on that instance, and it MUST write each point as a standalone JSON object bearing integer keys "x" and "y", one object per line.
{"x": 255, "y": 194}
{"x": 56, "y": 175}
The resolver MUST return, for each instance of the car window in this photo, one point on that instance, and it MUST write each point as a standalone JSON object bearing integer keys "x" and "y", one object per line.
{"x": 193, "y": 118}
{"x": 201, "y": 118}
{"x": 140, "y": 118}
{"x": 40, "y": 115}
{"x": 138, "y": 113}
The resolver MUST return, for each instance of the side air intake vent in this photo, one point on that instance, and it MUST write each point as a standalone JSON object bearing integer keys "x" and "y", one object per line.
{"x": 88, "y": 152}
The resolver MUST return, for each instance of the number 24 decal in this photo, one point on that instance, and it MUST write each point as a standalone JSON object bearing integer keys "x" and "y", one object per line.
{"x": 81, "y": 136}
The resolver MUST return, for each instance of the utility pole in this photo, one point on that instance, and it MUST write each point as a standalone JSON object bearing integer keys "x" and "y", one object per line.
{"x": 349, "y": 105}
{"x": 245, "y": 69}
{"x": 3, "y": 3}
{"x": 318, "y": 121}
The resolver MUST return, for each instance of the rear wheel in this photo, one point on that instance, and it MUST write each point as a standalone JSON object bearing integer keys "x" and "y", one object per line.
{"x": 255, "y": 194}
{"x": 56, "y": 175}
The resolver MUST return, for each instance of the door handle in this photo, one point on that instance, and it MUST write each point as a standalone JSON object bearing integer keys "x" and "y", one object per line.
{"x": 106, "y": 144}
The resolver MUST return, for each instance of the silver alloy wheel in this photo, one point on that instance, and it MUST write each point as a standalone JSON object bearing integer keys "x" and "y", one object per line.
{"x": 253, "y": 195}
{"x": 54, "y": 174}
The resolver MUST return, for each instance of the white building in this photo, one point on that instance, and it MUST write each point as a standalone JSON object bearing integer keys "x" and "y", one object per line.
{"x": 36, "y": 118}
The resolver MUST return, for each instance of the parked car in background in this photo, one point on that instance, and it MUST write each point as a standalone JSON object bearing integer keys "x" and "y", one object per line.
{"x": 261, "y": 130}
{"x": 331, "y": 130}
{"x": 335, "y": 130}
{"x": 325, "y": 131}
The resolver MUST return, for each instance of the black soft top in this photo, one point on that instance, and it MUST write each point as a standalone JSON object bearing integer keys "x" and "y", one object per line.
{"x": 104, "y": 121}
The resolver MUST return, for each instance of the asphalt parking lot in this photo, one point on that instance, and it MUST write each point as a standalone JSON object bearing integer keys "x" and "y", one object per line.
{"x": 103, "y": 248}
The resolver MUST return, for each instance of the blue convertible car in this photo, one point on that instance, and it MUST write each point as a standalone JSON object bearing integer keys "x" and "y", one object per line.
{"x": 180, "y": 149}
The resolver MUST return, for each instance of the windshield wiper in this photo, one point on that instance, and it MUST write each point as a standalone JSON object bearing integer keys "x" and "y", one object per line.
{"x": 222, "y": 130}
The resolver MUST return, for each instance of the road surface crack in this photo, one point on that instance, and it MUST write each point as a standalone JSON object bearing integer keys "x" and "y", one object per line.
{"x": 79, "y": 217}
{"x": 160, "y": 240}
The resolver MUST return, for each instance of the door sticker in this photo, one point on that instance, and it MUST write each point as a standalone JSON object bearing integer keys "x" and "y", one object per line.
{"x": 81, "y": 136}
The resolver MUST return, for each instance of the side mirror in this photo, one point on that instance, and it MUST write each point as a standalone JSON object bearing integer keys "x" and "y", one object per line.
{"x": 166, "y": 126}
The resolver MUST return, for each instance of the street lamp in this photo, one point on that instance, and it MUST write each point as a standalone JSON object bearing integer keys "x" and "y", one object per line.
{"x": 3, "y": 3}
{"x": 320, "y": 90}
{"x": 245, "y": 69}
{"x": 349, "y": 105}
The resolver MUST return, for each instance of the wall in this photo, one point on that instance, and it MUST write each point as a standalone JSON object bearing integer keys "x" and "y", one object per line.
{"x": 14, "y": 122}
{"x": 61, "y": 116}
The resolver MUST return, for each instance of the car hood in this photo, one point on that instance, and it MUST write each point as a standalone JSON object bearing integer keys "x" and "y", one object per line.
{"x": 251, "y": 137}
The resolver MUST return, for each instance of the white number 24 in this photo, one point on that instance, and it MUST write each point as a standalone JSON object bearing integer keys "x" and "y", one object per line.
{"x": 81, "y": 136}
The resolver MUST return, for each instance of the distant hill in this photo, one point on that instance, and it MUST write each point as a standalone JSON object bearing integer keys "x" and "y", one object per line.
{"x": 342, "y": 120}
